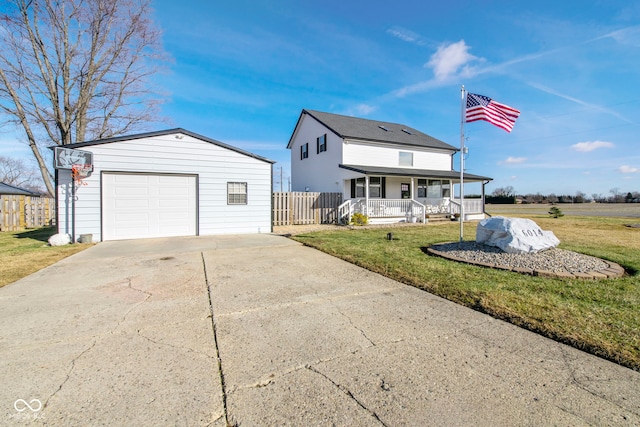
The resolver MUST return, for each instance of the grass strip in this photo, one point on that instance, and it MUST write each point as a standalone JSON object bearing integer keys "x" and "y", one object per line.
{"x": 25, "y": 252}
{"x": 597, "y": 316}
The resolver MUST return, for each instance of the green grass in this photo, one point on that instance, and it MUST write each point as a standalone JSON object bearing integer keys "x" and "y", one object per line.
{"x": 25, "y": 252}
{"x": 598, "y": 316}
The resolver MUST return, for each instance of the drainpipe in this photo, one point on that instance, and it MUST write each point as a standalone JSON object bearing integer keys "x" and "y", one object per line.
{"x": 483, "y": 194}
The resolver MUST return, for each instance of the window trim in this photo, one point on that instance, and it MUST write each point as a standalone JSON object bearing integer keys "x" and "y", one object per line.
{"x": 231, "y": 194}
{"x": 423, "y": 185}
{"x": 321, "y": 147}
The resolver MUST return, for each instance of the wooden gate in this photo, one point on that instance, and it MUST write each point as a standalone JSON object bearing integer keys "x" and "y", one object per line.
{"x": 298, "y": 208}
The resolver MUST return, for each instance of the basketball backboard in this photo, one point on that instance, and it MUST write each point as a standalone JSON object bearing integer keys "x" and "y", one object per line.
{"x": 65, "y": 158}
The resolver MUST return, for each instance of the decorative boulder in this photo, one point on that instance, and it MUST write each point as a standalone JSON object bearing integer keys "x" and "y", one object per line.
{"x": 515, "y": 235}
{"x": 60, "y": 239}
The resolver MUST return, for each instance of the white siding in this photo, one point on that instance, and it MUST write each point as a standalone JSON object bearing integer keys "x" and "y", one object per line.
{"x": 318, "y": 172}
{"x": 214, "y": 165}
{"x": 356, "y": 153}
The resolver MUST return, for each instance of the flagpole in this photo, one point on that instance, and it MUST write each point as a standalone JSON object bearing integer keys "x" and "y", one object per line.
{"x": 462, "y": 121}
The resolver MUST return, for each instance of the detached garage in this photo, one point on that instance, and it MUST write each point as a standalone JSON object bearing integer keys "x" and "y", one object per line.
{"x": 162, "y": 184}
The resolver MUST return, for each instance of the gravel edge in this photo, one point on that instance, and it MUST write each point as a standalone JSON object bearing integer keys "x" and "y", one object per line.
{"x": 612, "y": 270}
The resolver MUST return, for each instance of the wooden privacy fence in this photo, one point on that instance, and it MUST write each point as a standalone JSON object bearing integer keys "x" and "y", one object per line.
{"x": 20, "y": 212}
{"x": 300, "y": 208}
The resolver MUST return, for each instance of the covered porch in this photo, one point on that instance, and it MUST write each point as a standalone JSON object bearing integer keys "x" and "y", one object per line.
{"x": 387, "y": 195}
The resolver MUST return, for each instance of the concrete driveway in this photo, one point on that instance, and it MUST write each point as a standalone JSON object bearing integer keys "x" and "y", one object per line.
{"x": 259, "y": 330}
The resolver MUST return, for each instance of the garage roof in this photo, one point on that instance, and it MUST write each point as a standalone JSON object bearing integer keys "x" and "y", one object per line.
{"x": 167, "y": 132}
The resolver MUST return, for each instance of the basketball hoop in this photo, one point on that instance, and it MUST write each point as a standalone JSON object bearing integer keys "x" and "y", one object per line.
{"x": 79, "y": 173}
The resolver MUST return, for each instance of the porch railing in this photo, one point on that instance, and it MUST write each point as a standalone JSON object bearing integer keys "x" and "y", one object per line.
{"x": 406, "y": 208}
{"x": 411, "y": 210}
{"x": 470, "y": 206}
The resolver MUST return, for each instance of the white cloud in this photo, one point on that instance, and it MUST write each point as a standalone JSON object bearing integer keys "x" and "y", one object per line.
{"x": 364, "y": 109}
{"x": 406, "y": 35}
{"x": 579, "y": 101}
{"x": 626, "y": 36}
{"x": 628, "y": 169}
{"x": 513, "y": 161}
{"x": 585, "y": 147}
{"x": 449, "y": 59}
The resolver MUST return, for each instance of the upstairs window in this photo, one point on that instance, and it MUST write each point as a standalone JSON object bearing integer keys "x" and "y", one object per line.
{"x": 406, "y": 159}
{"x": 321, "y": 143}
{"x": 236, "y": 193}
{"x": 304, "y": 151}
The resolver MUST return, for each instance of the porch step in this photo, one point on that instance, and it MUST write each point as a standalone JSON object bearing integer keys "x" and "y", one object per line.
{"x": 438, "y": 217}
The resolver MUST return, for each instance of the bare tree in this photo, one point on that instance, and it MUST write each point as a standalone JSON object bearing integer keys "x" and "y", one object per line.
{"x": 504, "y": 192}
{"x": 76, "y": 70}
{"x": 616, "y": 195}
{"x": 17, "y": 173}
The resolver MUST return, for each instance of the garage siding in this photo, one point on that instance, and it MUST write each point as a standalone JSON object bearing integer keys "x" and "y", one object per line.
{"x": 214, "y": 166}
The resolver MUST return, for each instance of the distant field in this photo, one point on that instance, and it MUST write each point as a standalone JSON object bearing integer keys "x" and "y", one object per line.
{"x": 612, "y": 210}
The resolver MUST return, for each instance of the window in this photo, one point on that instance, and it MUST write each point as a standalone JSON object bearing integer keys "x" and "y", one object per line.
{"x": 406, "y": 159}
{"x": 435, "y": 188}
{"x": 422, "y": 188}
{"x": 236, "y": 193}
{"x": 360, "y": 187}
{"x": 304, "y": 151}
{"x": 321, "y": 143}
{"x": 375, "y": 187}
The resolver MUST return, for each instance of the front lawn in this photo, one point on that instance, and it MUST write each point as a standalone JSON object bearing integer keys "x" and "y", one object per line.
{"x": 598, "y": 316}
{"x": 25, "y": 252}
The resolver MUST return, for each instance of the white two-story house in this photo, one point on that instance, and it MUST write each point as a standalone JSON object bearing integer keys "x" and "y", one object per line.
{"x": 388, "y": 171}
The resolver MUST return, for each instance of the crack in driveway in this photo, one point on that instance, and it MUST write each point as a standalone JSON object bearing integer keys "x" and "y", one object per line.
{"x": 97, "y": 338}
{"x": 348, "y": 393}
{"x": 215, "y": 342}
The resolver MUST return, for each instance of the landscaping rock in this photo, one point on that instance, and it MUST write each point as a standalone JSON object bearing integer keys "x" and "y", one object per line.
{"x": 60, "y": 239}
{"x": 515, "y": 235}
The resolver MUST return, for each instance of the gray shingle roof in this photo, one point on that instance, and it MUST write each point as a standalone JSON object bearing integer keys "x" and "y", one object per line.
{"x": 17, "y": 191}
{"x": 422, "y": 173}
{"x": 374, "y": 130}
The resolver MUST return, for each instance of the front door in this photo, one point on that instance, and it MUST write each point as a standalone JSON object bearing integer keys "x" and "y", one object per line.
{"x": 405, "y": 191}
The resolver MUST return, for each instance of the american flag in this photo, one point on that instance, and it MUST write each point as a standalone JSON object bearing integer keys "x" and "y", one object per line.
{"x": 481, "y": 107}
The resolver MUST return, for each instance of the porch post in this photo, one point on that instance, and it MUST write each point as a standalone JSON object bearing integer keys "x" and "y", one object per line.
{"x": 366, "y": 195}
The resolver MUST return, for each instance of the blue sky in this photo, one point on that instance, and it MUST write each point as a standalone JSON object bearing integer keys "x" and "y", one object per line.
{"x": 243, "y": 70}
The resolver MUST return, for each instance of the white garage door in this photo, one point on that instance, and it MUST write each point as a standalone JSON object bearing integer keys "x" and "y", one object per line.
{"x": 143, "y": 205}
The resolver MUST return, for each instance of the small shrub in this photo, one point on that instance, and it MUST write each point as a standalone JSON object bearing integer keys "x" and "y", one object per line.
{"x": 555, "y": 212}
{"x": 359, "y": 219}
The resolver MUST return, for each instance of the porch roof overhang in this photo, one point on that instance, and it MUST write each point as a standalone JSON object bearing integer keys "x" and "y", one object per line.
{"x": 420, "y": 173}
